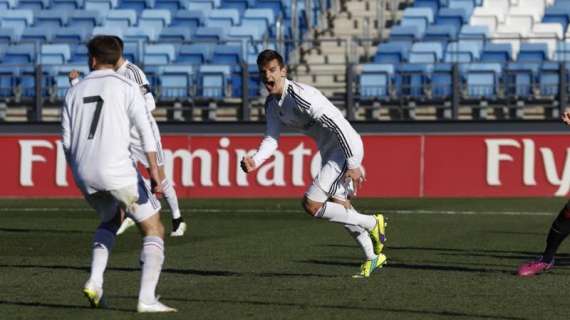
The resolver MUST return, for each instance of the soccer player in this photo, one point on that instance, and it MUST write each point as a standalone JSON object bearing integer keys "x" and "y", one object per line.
{"x": 97, "y": 118}
{"x": 558, "y": 232}
{"x": 134, "y": 73}
{"x": 304, "y": 108}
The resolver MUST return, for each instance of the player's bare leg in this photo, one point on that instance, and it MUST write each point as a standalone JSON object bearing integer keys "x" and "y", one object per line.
{"x": 178, "y": 225}
{"x": 152, "y": 258}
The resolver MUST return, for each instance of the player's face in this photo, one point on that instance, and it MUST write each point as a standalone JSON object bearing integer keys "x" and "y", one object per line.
{"x": 273, "y": 77}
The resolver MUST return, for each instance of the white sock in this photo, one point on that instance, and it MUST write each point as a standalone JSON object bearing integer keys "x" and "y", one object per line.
{"x": 152, "y": 257}
{"x": 102, "y": 244}
{"x": 336, "y": 212}
{"x": 171, "y": 198}
{"x": 363, "y": 238}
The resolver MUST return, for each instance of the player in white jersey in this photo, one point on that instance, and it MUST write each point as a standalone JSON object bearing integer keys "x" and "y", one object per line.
{"x": 134, "y": 73}
{"x": 304, "y": 108}
{"x": 97, "y": 118}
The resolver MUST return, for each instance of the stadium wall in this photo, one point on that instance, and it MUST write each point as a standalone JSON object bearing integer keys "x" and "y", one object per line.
{"x": 449, "y": 159}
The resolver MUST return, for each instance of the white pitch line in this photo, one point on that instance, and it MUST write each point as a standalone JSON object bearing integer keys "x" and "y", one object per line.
{"x": 445, "y": 212}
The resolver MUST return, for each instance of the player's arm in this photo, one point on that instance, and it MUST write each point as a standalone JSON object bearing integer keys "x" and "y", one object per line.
{"x": 66, "y": 130}
{"x": 140, "y": 118}
{"x": 268, "y": 145}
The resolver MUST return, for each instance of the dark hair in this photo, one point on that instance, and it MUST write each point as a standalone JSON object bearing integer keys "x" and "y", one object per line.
{"x": 120, "y": 41}
{"x": 268, "y": 55}
{"x": 105, "y": 49}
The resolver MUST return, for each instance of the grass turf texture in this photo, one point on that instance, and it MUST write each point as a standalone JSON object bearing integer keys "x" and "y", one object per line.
{"x": 268, "y": 260}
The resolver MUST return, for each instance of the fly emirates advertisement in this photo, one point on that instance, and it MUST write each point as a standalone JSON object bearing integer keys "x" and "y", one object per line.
{"x": 395, "y": 166}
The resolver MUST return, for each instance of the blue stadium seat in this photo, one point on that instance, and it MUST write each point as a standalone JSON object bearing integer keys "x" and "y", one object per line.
{"x": 562, "y": 51}
{"x": 8, "y": 4}
{"x": 223, "y": 18}
{"x": 497, "y": 52}
{"x": 227, "y": 54}
{"x": 246, "y": 32}
{"x": 456, "y": 17}
{"x": 483, "y": 80}
{"x": 155, "y": 18}
{"x": 159, "y": 54}
{"x": 203, "y": 6}
{"x": 56, "y": 54}
{"x": 277, "y": 6}
{"x": 171, "y": 5}
{"x": 17, "y": 19}
{"x": 557, "y": 14}
{"x": 412, "y": 79}
{"x": 176, "y": 81}
{"x": 36, "y": 5}
{"x": 426, "y": 52}
{"x": 376, "y": 80}
{"x": 7, "y": 36}
{"x": 108, "y": 31}
{"x": 175, "y": 34}
{"x": 214, "y": 81}
{"x": 191, "y": 19}
{"x": 84, "y": 19}
{"x": 405, "y": 34}
{"x": 520, "y": 78}
{"x": 240, "y": 5}
{"x": 120, "y": 18}
{"x": 420, "y": 17}
{"x": 131, "y": 51}
{"x": 462, "y": 52}
{"x": 442, "y": 80}
{"x": 27, "y": 82}
{"x": 37, "y": 34}
{"x": 78, "y": 55}
{"x": 144, "y": 34}
{"x": 467, "y": 5}
{"x": 441, "y": 33}
{"x": 77, "y": 35}
{"x": 211, "y": 34}
{"x": 67, "y": 5}
{"x": 194, "y": 54}
{"x": 8, "y": 80}
{"x": 258, "y": 17}
{"x": 137, "y": 5}
{"x": 24, "y": 53}
{"x": 394, "y": 53}
{"x": 477, "y": 35}
{"x": 61, "y": 80}
{"x": 549, "y": 79}
{"x": 434, "y": 5}
{"x": 50, "y": 19}
{"x": 100, "y": 5}
{"x": 533, "y": 52}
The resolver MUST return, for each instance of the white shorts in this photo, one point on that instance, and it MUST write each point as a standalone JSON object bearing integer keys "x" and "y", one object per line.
{"x": 330, "y": 182}
{"x": 137, "y": 150}
{"x": 137, "y": 200}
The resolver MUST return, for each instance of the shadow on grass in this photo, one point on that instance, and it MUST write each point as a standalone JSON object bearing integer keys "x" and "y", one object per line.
{"x": 58, "y": 306}
{"x": 343, "y": 307}
{"x": 15, "y": 230}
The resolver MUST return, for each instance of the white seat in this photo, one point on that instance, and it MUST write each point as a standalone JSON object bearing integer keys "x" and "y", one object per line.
{"x": 487, "y": 17}
{"x": 509, "y": 34}
{"x": 549, "y": 33}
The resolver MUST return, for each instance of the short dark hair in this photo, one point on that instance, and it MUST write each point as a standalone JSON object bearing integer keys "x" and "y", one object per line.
{"x": 120, "y": 41}
{"x": 268, "y": 55}
{"x": 105, "y": 49}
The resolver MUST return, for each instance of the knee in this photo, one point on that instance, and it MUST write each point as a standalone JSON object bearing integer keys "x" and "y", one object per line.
{"x": 153, "y": 227}
{"x": 311, "y": 207}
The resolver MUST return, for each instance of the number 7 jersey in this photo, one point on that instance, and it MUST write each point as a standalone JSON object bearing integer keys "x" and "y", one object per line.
{"x": 97, "y": 118}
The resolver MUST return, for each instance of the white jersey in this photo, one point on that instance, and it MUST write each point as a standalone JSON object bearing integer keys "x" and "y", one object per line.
{"x": 97, "y": 118}
{"x": 306, "y": 109}
{"x": 134, "y": 73}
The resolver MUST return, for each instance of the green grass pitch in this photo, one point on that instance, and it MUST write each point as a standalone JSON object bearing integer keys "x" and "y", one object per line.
{"x": 448, "y": 259}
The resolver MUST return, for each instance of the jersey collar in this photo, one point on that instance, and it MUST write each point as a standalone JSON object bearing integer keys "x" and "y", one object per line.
{"x": 123, "y": 66}
{"x": 284, "y": 94}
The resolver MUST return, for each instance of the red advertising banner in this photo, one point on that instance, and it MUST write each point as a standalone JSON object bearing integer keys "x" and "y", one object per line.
{"x": 396, "y": 166}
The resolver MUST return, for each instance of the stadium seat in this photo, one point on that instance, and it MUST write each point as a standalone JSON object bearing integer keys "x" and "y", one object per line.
{"x": 489, "y": 17}
{"x": 36, "y": 5}
{"x": 120, "y": 18}
{"x": 405, "y": 34}
{"x": 17, "y": 19}
{"x": 247, "y": 32}
{"x": 455, "y": 17}
{"x": 190, "y": 19}
{"x": 211, "y": 34}
{"x": 78, "y": 55}
{"x": 8, "y": 80}
{"x": 240, "y": 5}
{"x": 441, "y": 33}
{"x": 255, "y": 16}
{"x": 37, "y": 34}
{"x": 533, "y": 52}
{"x": 61, "y": 80}
{"x": 476, "y": 35}
{"x": 8, "y": 4}
{"x": 203, "y": 6}
{"x": 557, "y": 14}
{"x": 76, "y": 36}
{"x": 67, "y": 5}
{"x": 276, "y": 5}
{"x": 171, "y": 5}
{"x": 483, "y": 80}
{"x": 100, "y": 5}
{"x": 108, "y": 31}
{"x": 430, "y": 4}
{"x": 194, "y": 54}
{"x": 497, "y": 52}
{"x": 24, "y": 53}
{"x": 159, "y": 54}
{"x": 155, "y": 18}
{"x": 87, "y": 19}
{"x": 223, "y": 18}
{"x": 144, "y": 34}
{"x": 8, "y": 36}
{"x": 549, "y": 79}
{"x": 55, "y": 54}
{"x": 137, "y": 5}
{"x": 419, "y": 17}
{"x": 466, "y": 5}
{"x": 393, "y": 53}
{"x": 426, "y": 52}
{"x": 227, "y": 54}
{"x": 131, "y": 51}
{"x": 50, "y": 19}
{"x": 376, "y": 80}
{"x": 442, "y": 80}
{"x": 214, "y": 81}
{"x": 176, "y": 81}
{"x": 175, "y": 34}
{"x": 462, "y": 52}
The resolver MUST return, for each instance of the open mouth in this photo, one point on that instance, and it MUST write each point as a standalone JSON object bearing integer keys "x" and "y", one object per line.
{"x": 270, "y": 84}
